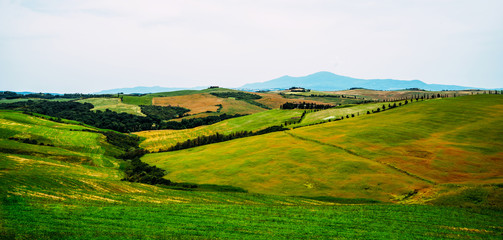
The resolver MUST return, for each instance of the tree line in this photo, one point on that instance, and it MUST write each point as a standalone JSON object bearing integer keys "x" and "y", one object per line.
{"x": 218, "y": 137}
{"x": 160, "y": 113}
{"x": 138, "y": 171}
{"x": 121, "y": 122}
{"x": 237, "y": 95}
{"x": 195, "y": 122}
{"x": 244, "y": 96}
{"x": 304, "y": 105}
{"x": 320, "y": 95}
{"x": 13, "y": 95}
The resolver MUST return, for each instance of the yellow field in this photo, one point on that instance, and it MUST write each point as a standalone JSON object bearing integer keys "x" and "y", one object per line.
{"x": 285, "y": 165}
{"x": 203, "y": 102}
{"x": 411, "y": 152}
{"x": 274, "y": 100}
{"x": 162, "y": 139}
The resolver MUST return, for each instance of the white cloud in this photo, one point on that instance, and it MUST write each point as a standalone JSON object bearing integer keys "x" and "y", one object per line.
{"x": 56, "y": 45}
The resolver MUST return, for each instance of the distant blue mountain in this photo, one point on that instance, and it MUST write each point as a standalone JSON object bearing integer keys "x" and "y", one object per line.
{"x": 327, "y": 81}
{"x": 154, "y": 89}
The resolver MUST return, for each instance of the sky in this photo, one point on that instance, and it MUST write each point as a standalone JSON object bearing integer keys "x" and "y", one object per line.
{"x": 91, "y": 45}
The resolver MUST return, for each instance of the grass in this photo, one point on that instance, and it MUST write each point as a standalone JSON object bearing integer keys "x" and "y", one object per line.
{"x": 274, "y": 100}
{"x": 147, "y": 99}
{"x": 162, "y": 139}
{"x": 444, "y": 140}
{"x": 69, "y": 142}
{"x": 278, "y": 163}
{"x": 204, "y": 102}
{"x": 403, "y": 154}
{"x": 334, "y": 113}
{"x": 46, "y": 194}
{"x": 113, "y": 104}
{"x": 222, "y": 221}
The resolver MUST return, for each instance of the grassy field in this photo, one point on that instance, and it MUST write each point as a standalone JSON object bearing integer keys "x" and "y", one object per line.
{"x": 404, "y": 154}
{"x": 281, "y": 164}
{"x": 162, "y": 139}
{"x": 205, "y": 102}
{"x": 274, "y": 100}
{"x": 235, "y": 221}
{"x": 113, "y": 104}
{"x": 444, "y": 140}
{"x": 334, "y": 113}
{"x": 147, "y": 99}
{"x": 70, "y": 188}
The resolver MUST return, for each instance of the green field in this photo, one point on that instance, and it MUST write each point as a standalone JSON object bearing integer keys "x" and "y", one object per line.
{"x": 67, "y": 185}
{"x": 278, "y": 163}
{"x": 113, "y": 104}
{"x": 162, "y": 139}
{"x": 404, "y": 154}
{"x": 147, "y": 99}
{"x": 237, "y": 221}
{"x": 334, "y": 113}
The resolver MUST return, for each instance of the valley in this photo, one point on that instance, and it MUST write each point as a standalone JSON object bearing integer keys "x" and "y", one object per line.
{"x": 404, "y": 164}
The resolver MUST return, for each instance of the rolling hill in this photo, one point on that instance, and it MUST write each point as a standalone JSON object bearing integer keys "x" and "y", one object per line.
{"x": 163, "y": 139}
{"x": 143, "y": 90}
{"x": 62, "y": 180}
{"x": 411, "y": 152}
{"x": 327, "y": 81}
{"x": 113, "y": 104}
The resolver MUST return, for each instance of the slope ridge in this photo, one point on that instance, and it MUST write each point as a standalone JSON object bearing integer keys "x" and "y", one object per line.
{"x": 402, "y": 142}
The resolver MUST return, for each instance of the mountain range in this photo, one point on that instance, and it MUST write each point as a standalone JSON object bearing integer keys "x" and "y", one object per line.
{"x": 320, "y": 81}
{"x": 327, "y": 81}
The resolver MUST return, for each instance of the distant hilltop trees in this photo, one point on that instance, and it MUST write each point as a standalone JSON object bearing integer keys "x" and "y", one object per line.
{"x": 304, "y": 105}
{"x": 14, "y": 95}
{"x": 298, "y": 89}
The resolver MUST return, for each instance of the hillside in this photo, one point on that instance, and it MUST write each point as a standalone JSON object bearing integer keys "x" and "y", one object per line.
{"x": 204, "y": 102}
{"x": 163, "y": 139}
{"x": 154, "y": 89}
{"x": 61, "y": 180}
{"x": 113, "y": 104}
{"x": 146, "y": 99}
{"x": 327, "y": 81}
{"x": 414, "y": 151}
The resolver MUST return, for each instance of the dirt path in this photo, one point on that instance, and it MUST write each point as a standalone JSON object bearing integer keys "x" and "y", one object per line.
{"x": 358, "y": 155}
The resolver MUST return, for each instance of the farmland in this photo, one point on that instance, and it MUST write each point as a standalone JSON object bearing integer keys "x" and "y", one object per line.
{"x": 439, "y": 158}
{"x": 204, "y": 102}
{"x": 427, "y": 144}
{"x": 161, "y": 139}
{"x": 113, "y": 104}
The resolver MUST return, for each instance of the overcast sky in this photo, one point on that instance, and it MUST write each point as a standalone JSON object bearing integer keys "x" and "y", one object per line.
{"x": 91, "y": 45}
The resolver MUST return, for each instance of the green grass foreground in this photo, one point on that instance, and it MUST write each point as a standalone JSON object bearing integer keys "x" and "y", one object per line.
{"x": 213, "y": 221}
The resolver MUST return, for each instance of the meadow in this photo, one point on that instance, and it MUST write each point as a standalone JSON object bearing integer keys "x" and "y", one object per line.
{"x": 236, "y": 221}
{"x": 342, "y": 112}
{"x": 162, "y": 139}
{"x": 204, "y": 102}
{"x": 62, "y": 180}
{"x": 113, "y": 104}
{"x": 146, "y": 99}
{"x": 427, "y": 146}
